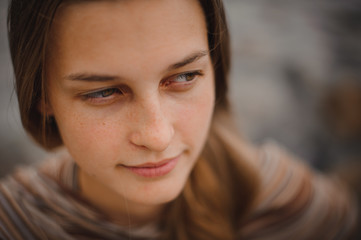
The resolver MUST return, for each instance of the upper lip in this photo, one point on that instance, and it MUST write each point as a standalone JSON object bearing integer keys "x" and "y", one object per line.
{"x": 151, "y": 164}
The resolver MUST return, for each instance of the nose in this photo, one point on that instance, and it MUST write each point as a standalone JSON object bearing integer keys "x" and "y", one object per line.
{"x": 152, "y": 127}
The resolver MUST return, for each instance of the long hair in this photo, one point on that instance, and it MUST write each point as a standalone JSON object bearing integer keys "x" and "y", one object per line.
{"x": 221, "y": 186}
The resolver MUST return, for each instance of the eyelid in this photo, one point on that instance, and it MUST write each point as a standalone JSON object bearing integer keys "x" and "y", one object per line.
{"x": 169, "y": 80}
{"x": 117, "y": 94}
{"x": 85, "y": 94}
{"x": 109, "y": 92}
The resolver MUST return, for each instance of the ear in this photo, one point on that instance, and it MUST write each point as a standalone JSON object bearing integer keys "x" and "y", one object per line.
{"x": 45, "y": 108}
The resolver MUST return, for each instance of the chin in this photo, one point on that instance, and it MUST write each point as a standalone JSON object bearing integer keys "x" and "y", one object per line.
{"x": 158, "y": 194}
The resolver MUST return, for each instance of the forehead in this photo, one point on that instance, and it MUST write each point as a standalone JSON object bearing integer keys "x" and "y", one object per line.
{"x": 138, "y": 29}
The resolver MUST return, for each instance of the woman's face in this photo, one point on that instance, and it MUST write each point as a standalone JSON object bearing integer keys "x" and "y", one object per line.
{"x": 131, "y": 87}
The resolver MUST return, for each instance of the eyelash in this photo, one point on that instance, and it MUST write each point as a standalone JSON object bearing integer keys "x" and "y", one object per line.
{"x": 186, "y": 75}
{"x": 103, "y": 93}
{"x": 108, "y": 93}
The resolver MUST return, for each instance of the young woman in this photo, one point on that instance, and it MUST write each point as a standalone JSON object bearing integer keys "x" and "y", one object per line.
{"x": 136, "y": 93}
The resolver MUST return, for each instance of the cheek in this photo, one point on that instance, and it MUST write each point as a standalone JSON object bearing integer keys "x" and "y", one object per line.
{"x": 89, "y": 138}
{"x": 195, "y": 116}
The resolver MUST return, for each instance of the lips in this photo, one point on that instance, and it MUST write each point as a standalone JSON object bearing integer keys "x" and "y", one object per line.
{"x": 152, "y": 170}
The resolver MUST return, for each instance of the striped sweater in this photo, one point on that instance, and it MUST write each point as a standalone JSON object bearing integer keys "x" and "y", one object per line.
{"x": 293, "y": 203}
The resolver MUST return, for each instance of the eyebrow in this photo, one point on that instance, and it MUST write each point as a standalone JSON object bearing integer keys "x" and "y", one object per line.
{"x": 90, "y": 77}
{"x": 188, "y": 60}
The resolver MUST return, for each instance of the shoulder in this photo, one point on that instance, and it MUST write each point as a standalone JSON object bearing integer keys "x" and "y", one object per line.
{"x": 24, "y": 202}
{"x": 15, "y": 214}
{"x": 295, "y": 202}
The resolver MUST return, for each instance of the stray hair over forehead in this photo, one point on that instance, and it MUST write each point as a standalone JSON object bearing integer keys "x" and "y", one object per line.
{"x": 29, "y": 25}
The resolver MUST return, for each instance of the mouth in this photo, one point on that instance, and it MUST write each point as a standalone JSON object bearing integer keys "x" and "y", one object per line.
{"x": 152, "y": 170}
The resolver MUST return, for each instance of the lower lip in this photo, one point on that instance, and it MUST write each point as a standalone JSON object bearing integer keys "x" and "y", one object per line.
{"x": 158, "y": 171}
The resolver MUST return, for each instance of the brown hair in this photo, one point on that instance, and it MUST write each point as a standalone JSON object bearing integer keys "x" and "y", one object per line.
{"x": 221, "y": 185}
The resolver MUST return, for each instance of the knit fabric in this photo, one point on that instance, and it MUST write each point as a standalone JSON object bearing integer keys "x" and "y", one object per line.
{"x": 293, "y": 203}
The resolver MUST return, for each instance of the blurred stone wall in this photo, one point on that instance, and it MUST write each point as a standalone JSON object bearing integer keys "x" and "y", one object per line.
{"x": 287, "y": 55}
{"x": 294, "y": 65}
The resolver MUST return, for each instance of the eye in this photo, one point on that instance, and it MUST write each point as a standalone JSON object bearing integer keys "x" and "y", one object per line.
{"x": 186, "y": 77}
{"x": 103, "y": 93}
{"x": 181, "y": 79}
{"x": 104, "y": 96}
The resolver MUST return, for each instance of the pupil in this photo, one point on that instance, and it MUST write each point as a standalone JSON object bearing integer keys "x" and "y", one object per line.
{"x": 189, "y": 77}
{"x": 108, "y": 92}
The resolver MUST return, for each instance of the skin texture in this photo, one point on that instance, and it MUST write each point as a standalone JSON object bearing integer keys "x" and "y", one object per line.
{"x": 120, "y": 99}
